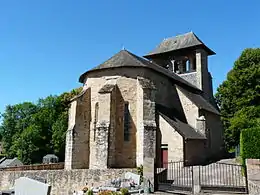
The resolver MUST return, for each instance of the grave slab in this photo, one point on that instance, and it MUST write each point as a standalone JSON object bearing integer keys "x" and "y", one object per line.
{"x": 28, "y": 186}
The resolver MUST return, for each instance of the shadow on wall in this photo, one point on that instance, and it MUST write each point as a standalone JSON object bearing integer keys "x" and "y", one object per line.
{"x": 125, "y": 131}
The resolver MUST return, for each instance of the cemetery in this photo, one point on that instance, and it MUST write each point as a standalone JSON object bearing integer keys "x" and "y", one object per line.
{"x": 129, "y": 183}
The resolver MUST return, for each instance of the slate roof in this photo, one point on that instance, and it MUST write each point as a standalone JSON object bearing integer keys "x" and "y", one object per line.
{"x": 2, "y": 159}
{"x": 199, "y": 100}
{"x": 125, "y": 58}
{"x": 7, "y": 162}
{"x": 179, "y": 42}
{"x": 107, "y": 88}
{"x": 179, "y": 123}
{"x": 50, "y": 156}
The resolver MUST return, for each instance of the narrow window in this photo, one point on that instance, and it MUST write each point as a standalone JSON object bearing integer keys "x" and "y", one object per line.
{"x": 194, "y": 64}
{"x": 95, "y": 120}
{"x": 187, "y": 64}
{"x": 126, "y": 122}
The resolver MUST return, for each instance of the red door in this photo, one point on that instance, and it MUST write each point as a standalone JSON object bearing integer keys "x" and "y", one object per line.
{"x": 164, "y": 155}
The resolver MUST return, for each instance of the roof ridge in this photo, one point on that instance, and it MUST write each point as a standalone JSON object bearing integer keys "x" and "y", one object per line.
{"x": 179, "y": 35}
{"x": 178, "y": 42}
{"x": 135, "y": 57}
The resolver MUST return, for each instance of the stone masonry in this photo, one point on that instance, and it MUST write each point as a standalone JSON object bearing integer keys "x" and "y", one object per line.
{"x": 130, "y": 107}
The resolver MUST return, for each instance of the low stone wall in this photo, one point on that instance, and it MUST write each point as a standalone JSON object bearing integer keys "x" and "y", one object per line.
{"x": 53, "y": 166}
{"x": 253, "y": 173}
{"x": 63, "y": 182}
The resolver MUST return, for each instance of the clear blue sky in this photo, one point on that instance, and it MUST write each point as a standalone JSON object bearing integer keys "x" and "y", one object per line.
{"x": 45, "y": 45}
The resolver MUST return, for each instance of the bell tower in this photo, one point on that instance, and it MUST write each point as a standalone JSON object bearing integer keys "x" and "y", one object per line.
{"x": 187, "y": 56}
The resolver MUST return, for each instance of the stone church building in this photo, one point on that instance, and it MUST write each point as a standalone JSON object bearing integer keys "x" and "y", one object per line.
{"x": 146, "y": 110}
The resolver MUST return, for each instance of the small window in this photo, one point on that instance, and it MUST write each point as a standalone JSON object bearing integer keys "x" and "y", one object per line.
{"x": 95, "y": 119}
{"x": 194, "y": 64}
{"x": 187, "y": 66}
{"x": 126, "y": 122}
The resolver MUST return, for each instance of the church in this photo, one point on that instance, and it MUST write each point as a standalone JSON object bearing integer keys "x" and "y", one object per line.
{"x": 146, "y": 110}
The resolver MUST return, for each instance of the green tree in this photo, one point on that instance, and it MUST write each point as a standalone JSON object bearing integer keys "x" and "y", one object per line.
{"x": 30, "y": 131}
{"x": 239, "y": 96}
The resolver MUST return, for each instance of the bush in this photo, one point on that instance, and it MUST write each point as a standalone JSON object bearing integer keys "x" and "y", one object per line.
{"x": 140, "y": 171}
{"x": 89, "y": 192}
{"x": 124, "y": 191}
{"x": 250, "y": 144}
{"x": 107, "y": 192}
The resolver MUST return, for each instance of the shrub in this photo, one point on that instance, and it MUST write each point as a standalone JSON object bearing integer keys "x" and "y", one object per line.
{"x": 89, "y": 192}
{"x": 124, "y": 191}
{"x": 140, "y": 172}
{"x": 107, "y": 192}
{"x": 250, "y": 144}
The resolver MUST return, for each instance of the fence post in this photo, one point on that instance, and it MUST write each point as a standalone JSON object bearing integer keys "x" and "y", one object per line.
{"x": 195, "y": 179}
{"x": 246, "y": 178}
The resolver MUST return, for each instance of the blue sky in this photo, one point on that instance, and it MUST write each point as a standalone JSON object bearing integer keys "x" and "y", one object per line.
{"x": 45, "y": 45}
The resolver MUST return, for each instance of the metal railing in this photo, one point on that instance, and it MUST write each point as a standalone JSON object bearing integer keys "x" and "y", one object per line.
{"x": 176, "y": 176}
{"x": 223, "y": 177}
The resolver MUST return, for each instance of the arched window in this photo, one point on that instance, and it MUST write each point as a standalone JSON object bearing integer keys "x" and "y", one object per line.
{"x": 95, "y": 119}
{"x": 126, "y": 122}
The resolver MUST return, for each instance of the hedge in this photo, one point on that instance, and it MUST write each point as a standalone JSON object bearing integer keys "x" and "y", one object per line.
{"x": 250, "y": 144}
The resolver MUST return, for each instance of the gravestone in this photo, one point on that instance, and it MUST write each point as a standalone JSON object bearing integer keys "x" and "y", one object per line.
{"x": 27, "y": 186}
{"x": 132, "y": 176}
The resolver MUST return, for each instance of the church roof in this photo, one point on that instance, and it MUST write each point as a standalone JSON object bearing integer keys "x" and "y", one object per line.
{"x": 179, "y": 42}
{"x": 199, "y": 100}
{"x": 125, "y": 58}
{"x": 179, "y": 123}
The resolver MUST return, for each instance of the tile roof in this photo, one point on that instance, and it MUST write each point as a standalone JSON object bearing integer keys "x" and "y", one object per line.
{"x": 179, "y": 123}
{"x": 183, "y": 41}
{"x": 199, "y": 100}
{"x": 125, "y": 58}
{"x": 7, "y": 162}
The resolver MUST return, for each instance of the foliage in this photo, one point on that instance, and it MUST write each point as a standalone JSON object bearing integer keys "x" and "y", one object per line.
{"x": 107, "y": 192}
{"x": 250, "y": 143}
{"x": 140, "y": 172}
{"x": 124, "y": 191}
{"x": 29, "y": 130}
{"x": 238, "y": 97}
{"x": 89, "y": 192}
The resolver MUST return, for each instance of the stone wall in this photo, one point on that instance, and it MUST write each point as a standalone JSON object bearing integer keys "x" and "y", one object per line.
{"x": 214, "y": 133}
{"x": 194, "y": 151}
{"x": 253, "y": 173}
{"x": 139, "y": 125}
{"x": 125, "y": 91}
{"x": 126, "y": 149}
{"x": 77, "y": 137}
{"x": 63, "y": 182}
{"x": 173, "y": 139}
{"x": 191, "y": 111}
{"x": 53, "y": 166}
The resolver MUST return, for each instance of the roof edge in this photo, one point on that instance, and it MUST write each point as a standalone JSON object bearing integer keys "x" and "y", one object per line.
{"x": 207, "y": 49}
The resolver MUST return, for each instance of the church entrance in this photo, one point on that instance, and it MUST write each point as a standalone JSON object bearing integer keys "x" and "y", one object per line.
{"x": 164, "y": 155}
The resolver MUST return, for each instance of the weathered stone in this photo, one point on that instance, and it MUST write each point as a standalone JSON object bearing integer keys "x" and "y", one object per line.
{"x": 102, "y": 144}
{"x": 64, "y": 181}
{"x": 115, "y": 122}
